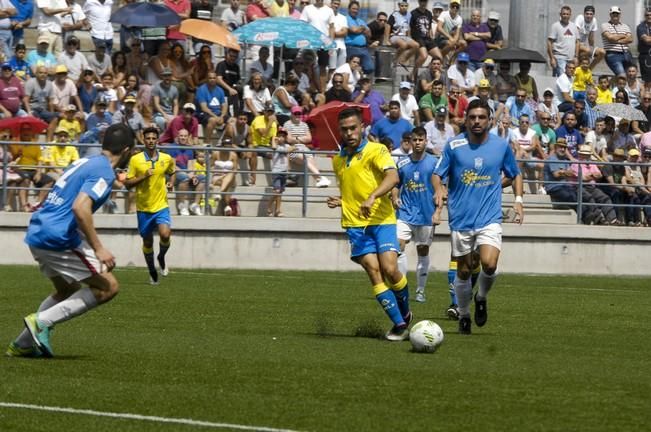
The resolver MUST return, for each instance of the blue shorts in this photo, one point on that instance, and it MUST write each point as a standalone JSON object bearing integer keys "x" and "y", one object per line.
{"x": 148, "y": 222}
{"x": 374, "y": 239}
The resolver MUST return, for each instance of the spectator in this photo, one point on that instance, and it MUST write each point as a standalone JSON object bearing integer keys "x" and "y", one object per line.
{"x": 279, "y": 167}
{"x": 308, "y": 81}
{"x": 131, "y": 88}
{"x": 166, "y": 100}
{"x": 185, "y": 120}
{"x": 564, "y": 98}
{"x": 460, "y": 75}
{"x": 12, "y": 94}
{"x": 486, "y": 71}
{"x": 641, "y": 127}
{"x": 197, "y": 182}
{"x": 351, "y": 72}
{"x": 128, "y": 33}
{"x": 225, "y": 165}
{"x": 233, "y": 17}
{"x": 7, "y": 171}
{"x": 256, "y": 95}
{"x": 530, "y": 153}
{"x": 283, "y": 99}
{"x": 152, "y": 39}
{"x": 457, "y": 104}
{"x": 263, "y": 66}
{"x": 213, "y": 108}
{"x": 378, "y": 28}
{"x": 644, "y": 47}
{"x": 502, "y": 127}
{"x": 322, "y": 17}
{"x": 300, "y": 137}
{"x": 181, "y": 157}
{"x": 636, "y": 190}
{"x": 587, "y": 26}
{"x": 41, "y": 56}
{"x": 60, "y": 155}
{"x": 49, "y": 25}
{"x": 590, "y": 104}
{"x": 74, "y": 21}
{"x": 337, "y": 91}
{"x": 202, "y": 64}
{"x": 545, "y": 132}
{"x": 405, "y": 148}
{"x": 582, "y": 78}
{"x": 228, "y": 78}
{"x": 7, "y": 11}
{"x": 356, "y": 39}
{"x": 560, "y": 179}
{"x": 107, "y": 92}
{"x": 22, "y": 19}
{"x": 617, "y": 37}
{"x": 408, "y": 103}
{"x": 398, "y": 34}
{"x": 71, "y": 124}
{"x": 392, "y": 126}
{"x": 569, "y": 133}
{"x": 87, "y": 91}
{"x": 484, "y": 94}
{"x": 337, "y": 56}
{"x": 604, "y": 92}
{"x": 257, "y": 9}
{"x": 158, "y": 63}
{"x": 279, "y": 8}
{"x": 622, "y": 138}
{"x": 119, "y": 68}
{"x": 603, "y": 212}
{"x": 448, "y": 34}
{"x": 132, "y": 118}
{"x": 432, "y": 100}
{"x": 439, "y": 131}
{"x": 182, "y": 74}
{"x": 528, "y": 84}
{"x": 101, "y": 116}
{"x": 98, "y": 13}
{"x": 422, "y": 25}
{"x": 597, "y": 140}
{"x": 238, "y": 134}
{"x": 98, "y": 61}
{"x": 505, "y": 83}
{"x": 633, "y": 86}
{"x": 263, "y": 130}
{"x": 27, "y": 159}
{"x": 19, "y": 64}
{"x": 476, "y": 34}
{"x": 74, "y": 60}
{"x": 581, "y": 117}
{"x": 295, "y": 12}
{"x": 40, "y": 92}
{"x": 202, "y": 10}
{"x": 496, "y": 40}
{"x": 366, "y": 94}
{"x": 563, "y": 42}
{"x": 427, "y": 78}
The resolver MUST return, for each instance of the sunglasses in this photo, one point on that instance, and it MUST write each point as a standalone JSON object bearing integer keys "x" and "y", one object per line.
{"x": 545, "y": 118}
{"x": 337, "y": 82}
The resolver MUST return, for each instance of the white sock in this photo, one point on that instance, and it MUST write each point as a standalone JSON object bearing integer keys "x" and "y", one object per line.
{"x": 402, "y": 263}
{"x": 463, "y": 289}
{"x": 422, "y": 271}
{"x": 78, "y": 303}
{"x": 24, "y": 339}
{"x": 485, "y": 283}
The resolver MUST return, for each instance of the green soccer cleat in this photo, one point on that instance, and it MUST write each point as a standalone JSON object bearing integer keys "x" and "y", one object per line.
{"x": 15, "y": 351}
{"x": 40, "y": 334}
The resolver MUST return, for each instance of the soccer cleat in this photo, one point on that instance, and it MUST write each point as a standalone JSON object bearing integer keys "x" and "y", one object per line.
{"x": 481, "y": 312}
{"x": 153, "y": 277}
{"x": 398, "y": 333}
{"x": 465, "y": 326}
{"x": 164, "y": 269}
{"x": 30, "y": 352}
{"x": 409, "y": 318}
{"x": 40, "y": 334}
{"x": 420, "y": 297}
{"x": 322, "y": 182}
{"x": 452, "y": 312}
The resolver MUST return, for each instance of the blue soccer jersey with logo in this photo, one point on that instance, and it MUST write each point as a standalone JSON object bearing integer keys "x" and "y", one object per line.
{"x": 54, "y": 226}
{"x": 416, "y": 190}
{"x": 474, "y": 173}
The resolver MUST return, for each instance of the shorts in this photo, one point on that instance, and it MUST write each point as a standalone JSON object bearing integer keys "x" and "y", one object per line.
{"x": 203, "y": 118}
{"x": 181, "y": 176}
{"x": 428, "y": 43}
{"x": 394, "y": 39}
{"x": 373, "y": 239}
{"x": 264, "y": 154}
{"x": 148, "y": 222}
{"x": 532, "y": 163}
{"x": 73, "y": 265}
{"x": 279, "y": 181}
{"x": 300, "y": 148}
{"x": 465, "y": 242}
{"x": 420, "y": 234}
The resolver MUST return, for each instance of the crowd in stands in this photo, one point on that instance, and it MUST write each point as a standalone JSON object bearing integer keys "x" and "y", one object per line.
{"x": 158, "y": 76}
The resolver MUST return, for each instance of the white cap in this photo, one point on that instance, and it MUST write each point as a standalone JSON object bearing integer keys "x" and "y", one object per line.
{"x": 615, "y": 9}
{"x": 405, "y": 85}
{"x": 492, "y": 15}
{"x": 189, "y": 105}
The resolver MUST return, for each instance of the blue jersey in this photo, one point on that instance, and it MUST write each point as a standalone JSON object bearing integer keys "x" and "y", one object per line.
{"x": 416, "y": 190}
{"x": 54, "y": 226}
{"x": 474, "y": 173}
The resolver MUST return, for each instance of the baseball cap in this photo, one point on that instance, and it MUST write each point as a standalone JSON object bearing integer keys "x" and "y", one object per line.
{"x": 61, "y": 69}
{"x": 585, "y": 149}
{"x": 492, "y": 15}
{"x": 129, "y": 99}
{"x": 268, "y": 106}
{"x": 615, "y": 9}
{"x": 101, "y": 101}
{"x": 454, "y": 2}
{"x": 166, "y": 71}
{"x": 189, "y": 106}
{"x": 489, "y": 62}
{"x": 71, "y": 107}
{"x": 61, "y": 129}
{"x": 484, "y": 83}
{"x": 619, "y": 152}
{"x": 548, "y": 92}
{"x": 463, "y": 57}
{"x": 442, "y": 111}
{"x": 6, "y": 65}
{"x": 646, "y": 151}
{"x": 633, "y": 152}
{"x": 405, "y": 85}
{"x": 438, "y": 5}
{"x": 297, "y": 110}
{"x": 43, "y": 39}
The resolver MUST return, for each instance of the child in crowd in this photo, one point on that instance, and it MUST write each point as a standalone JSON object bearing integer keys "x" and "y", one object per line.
{"x": 72, "y": 123}
{"x": 582, "y": 78}
{"x": 197, "y": 174}
{"x": 279, "y": 166}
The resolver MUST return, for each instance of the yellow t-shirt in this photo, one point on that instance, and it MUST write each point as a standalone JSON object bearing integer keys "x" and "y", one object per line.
{"x": 604, "y": 96}
{"x": 279, "y": 11}
{"x": 262, "y": 140}
{"x": 73, "y": 127}
{"x": 151, "y": 194}
{"x": 59, "y": 156}
{"x": 27, "y": 155}
{"x": 358, "y": 176}
{"x": 582, "y": 78}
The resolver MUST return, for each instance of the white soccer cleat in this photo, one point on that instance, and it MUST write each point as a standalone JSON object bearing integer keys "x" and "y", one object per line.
{"x": 322, "y": 182}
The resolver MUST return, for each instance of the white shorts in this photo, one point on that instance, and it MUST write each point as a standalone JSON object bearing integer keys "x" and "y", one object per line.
{"x": 73, "y": 265}
{"x": 464, "y": 242}
{"x": 420, "y": 234}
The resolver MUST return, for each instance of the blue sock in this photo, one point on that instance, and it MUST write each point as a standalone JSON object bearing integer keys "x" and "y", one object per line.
{"x": 402, "y": 297}
{"x": 388, "y": 301}
{"x": 452, "y": 273}
{"x": 453, "y": 294}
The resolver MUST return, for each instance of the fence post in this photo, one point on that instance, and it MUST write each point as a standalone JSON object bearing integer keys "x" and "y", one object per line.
{"x": 579, "y": 195}
{"x": 5, "y": 168}
{"x": 209, "y": 166}
{"x": 306, "y": 181}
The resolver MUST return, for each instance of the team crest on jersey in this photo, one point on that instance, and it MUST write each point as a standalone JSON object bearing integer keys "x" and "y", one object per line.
{"x": 416, "y": 175}
{"x": 458, "y": 143}
{"x": 479, "y": 162}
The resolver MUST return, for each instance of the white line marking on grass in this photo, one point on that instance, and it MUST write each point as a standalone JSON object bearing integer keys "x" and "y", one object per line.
{"x": 608, "y": 290}
{"x": 249, "y": 275}
{"x": 154, "y": 419}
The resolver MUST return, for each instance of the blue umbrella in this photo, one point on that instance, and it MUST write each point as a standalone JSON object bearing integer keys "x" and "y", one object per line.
{"x": 145, "y": 15}
{"x": 287, "y": 32}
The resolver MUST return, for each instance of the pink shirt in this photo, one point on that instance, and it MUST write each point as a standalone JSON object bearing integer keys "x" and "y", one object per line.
{"x": 182, "y": 6}
{"x": 176, "y": 125}
{"x": 645, "y": 141}
{"x": 11, "y": 93}
{"x": 586, "y": 169}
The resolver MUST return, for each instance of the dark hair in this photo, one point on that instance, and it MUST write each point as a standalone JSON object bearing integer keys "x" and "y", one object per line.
{"x": 20, "y": 47}
{"x": 387, "y": 141}
{"x": 419, "y": 130}
{"x": 394, "y": 103}
{"x": 437, "y": 83}
{"x": 588, "y": 8}
{"x": 600, "y": 119}
{"x": 118, "y": 137}
{"x": 379, "y": 14}
{"x": 478, "y": 103}
{"x": 349, "y": 112}
{"x": 352, "y": 3}
{"x": 291, "y": 80}
{"x": 151, "y": 129}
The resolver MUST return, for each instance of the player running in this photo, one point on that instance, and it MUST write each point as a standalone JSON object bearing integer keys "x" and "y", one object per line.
{"x": 473, "y": 162}
{"x": 63, "y": 240}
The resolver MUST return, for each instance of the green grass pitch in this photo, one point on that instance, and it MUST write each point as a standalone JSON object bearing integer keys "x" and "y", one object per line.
{"x": 295, "y": 350}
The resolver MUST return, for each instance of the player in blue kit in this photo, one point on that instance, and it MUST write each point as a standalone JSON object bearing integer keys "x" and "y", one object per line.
{"x": 64, "y": 242}
{"x": 413, "y": 198}
{"x": 473, "y": 163}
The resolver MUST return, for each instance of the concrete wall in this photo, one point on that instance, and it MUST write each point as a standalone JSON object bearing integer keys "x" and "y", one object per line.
{"x": 320, "y": 244}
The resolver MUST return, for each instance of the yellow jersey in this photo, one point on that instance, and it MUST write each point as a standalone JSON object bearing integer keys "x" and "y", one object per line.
{"x": 151, "y": 193}
{"x": 582, "y": 78}
{"x": 59, "y": 156}
{"x": 359, "y": 175}
{"x": 26, "y": 155}
{"x": 262, "y": 140}
{"x": 604, "y": 96}
{"x": 72, "y": 126}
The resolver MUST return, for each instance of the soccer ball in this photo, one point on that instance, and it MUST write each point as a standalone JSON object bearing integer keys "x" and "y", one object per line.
{"x": 426, "y": 336}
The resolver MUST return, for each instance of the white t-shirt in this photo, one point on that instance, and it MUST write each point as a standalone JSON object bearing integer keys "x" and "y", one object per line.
{"x": 466, "y": 81}
{"x": 436, "y": 138}
{"x": 99, "y": 16}
{"x": 407, "y": 107}
{"x": 598, "y": 142}
{"x": 340, "y": 22}
{"x": 450, "y": 24}
{"x": 51, "y": 23}
{"x": 318, "y": 17}
{"x": 585, "y": 28}
{"x": 524, "y": 140}
{"x": 564, "y": 39}
{"x": 563, "y": 85}
{"x": 75, "y": 64}
{"x": 258, "y": 98}
{"x": 353, "y": 77}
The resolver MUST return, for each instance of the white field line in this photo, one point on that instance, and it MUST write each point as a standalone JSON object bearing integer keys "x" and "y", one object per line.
{"x": 153, "y": 419}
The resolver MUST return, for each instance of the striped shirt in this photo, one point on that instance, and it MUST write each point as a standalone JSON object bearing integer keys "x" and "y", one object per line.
{"x": 621, "y": 29}
{"x": 299, "y": 129}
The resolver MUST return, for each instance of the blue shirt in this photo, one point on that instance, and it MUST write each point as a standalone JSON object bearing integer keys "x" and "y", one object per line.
{"x": 181, "y": 156}
{"x": 416, "y": 189}
{"x": 391, "y": 128}
{"x": 54, "y": 226}
{"x": 555, "y": 164}
{"x": 21, "y": 69}
{"x": 94, "y": 121}
{"x": 87, "y": 97}
{"x": 516, "y": 111}
{"x": 474, "y": 173}
{"x": 573, "y": 138}
{"x": 358, "y": 40}
{"x": 213, "y": 98}
{"x": 35, "y": 59}
{"x": 24, "y": 11}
